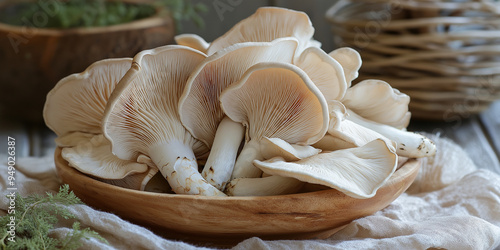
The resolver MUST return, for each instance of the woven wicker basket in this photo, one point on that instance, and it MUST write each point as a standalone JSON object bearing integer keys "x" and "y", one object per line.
{"x": 444, "y": 54}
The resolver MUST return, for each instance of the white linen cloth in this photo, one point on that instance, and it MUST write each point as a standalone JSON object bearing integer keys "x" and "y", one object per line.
{"x": 451, "y": 205}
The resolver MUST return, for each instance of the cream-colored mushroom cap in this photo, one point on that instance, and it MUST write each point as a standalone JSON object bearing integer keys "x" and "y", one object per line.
{"x": 193, "y": 41}
{"x": 343, "y": 133}
{"x": 357, "y": 172}
{"x": 350, "y": 61}
{"x": 274, "y": 100}
{"x": 324, "y": 71}
{"x": 276, "y": 147}
{"x": 94, "y": 157}
{"x": 277, "y": 100}
{"x": 266, "y": 25}
{"x": 77, "y": 102}
{"x": 72, "y": 139}
{"x": 142, "y": 117}
{"x": 199, "y": 106}
{"x": 377, "y": 101}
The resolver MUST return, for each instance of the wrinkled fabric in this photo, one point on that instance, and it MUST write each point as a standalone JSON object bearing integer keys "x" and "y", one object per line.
{"x": 452, "y": 205}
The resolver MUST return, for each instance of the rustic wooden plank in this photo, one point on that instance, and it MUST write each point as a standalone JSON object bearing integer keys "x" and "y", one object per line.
{"x": 18, "y": 131}
{"x": 316, "y": 9}
{"x": 491, "y": 122}
{"x": 469, "y": 135}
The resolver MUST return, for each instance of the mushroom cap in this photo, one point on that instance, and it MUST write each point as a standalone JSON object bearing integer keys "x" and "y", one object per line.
{"x": 72, "y": 139}
{"x": 94, "y": 157}
{"x": 357, "y": 172}
{"x": 324, "y": 71}
{"x": 143, "y": 109}
{"x": 350, "y": 61}
{"x": 377, "y": 101}
{"x": 77, "y": 102}
{"x": 199, "y": 106}
{"x": 276, "y": 147}
{"x": 343, "y": 133}
{"x": 277, "y": 100}
{"x": 266, "y": 25}
{"x": 193, "y": 41}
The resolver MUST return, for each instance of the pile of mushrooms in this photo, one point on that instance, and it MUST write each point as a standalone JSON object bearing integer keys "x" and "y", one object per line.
{"x": 262, "y": 110}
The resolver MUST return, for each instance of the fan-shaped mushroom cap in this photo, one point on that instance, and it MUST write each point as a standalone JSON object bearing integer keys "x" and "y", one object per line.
{"x": 357, "y": 172}
{"x": 409, "y": 144}
{"x": 377, "y": 101}
{"x": 94, "y": 157}
{"x": 142, "y": 117}
{"x": 274, "y": 100}
{"x": 273, "y": 147}
{"x": 277, "y": 100}
{"x": 143, "y": 109}
{"x": 199, "y": 106}
{"x": 266, "y": 25}
{"x": 77, "y": 102}
{"x": 193, "y": 41}
{"x": 350, "y": 61}
{"x": 72, "y": 139}
{"x": 343, "y": 133}
{"x": 324, "y": 71}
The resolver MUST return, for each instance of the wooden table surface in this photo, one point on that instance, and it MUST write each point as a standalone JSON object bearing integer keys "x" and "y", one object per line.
{"x": 479, "y": 135}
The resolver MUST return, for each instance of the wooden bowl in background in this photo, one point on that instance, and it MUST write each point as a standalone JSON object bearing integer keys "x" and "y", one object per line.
{"x": 33, "y": 60}
{"x": 225, "y": 221}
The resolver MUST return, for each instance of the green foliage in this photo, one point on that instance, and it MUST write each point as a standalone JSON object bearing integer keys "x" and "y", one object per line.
{"x": 184, "y": 10}
{"x": 36, "y": 215}
{"x": 98, "y": 13}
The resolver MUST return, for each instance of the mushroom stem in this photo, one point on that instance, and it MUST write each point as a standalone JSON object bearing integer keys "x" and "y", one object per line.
{"x": 220, "y": 162}
{"x": 410, "y": 144}
{"x": 244, "y": 168}
{"x": 177, "y": 163}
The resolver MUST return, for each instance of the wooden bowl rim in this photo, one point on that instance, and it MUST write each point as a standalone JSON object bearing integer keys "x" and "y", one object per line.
{"x": 407, "y": 169}
{"x": 158, "y": 19}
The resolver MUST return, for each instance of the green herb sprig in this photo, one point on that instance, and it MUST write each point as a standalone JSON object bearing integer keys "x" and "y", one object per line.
{"x": 35, "y": 217}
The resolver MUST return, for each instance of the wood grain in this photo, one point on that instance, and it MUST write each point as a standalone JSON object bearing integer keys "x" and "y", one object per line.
{"x": 34, "y": 59}
{"x": 232, "y": 219}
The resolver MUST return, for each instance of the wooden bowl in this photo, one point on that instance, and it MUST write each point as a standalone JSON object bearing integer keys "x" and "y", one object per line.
{"x": 225, "y": 221}
{"x": 34, "y": 59}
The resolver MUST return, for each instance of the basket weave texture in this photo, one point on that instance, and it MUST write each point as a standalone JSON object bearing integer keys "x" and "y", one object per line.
{"x": 444, "y": 54}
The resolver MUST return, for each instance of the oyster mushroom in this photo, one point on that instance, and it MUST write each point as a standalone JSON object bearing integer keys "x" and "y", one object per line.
{"x": 357, "y": 172}
{"x": 273, "y": 147}
{"x": 193, "y": 41}
{"x": 199, "y": 106}
{"x": 77, "y": 102}
{"x": 142, "y": 117}
{"x": 266, "y": 25}
{"x": 343, "y": 133}
{"x": 377, "y": 101}
{"x": 94, "y": 157}
{"x": 326, "y": 73}
{"x": 274, "y": 100}
{"x": 74, "y": 109}
{"x": 409, "y": 144}
{"x": 72, "y": 139}
{"x": 350, "y": 61}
